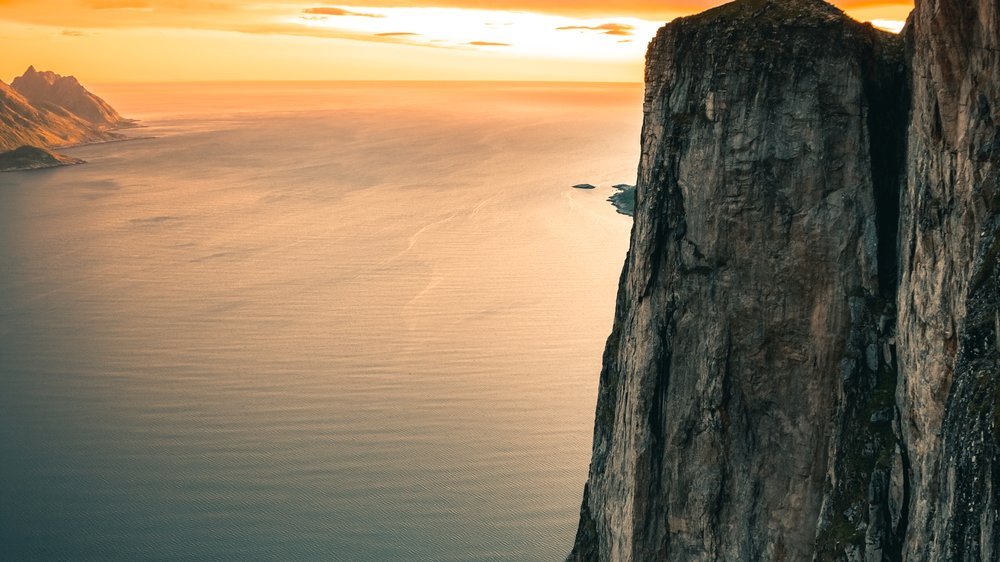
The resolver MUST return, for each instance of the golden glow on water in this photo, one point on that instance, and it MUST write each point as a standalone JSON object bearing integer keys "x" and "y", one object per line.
{"x": 313, "y": 321}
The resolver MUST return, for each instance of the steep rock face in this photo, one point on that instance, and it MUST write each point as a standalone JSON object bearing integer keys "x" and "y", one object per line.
{"x": 963, "y": 523}
{"x": 65, "y": 94}
{"x": 759, "y": 398}
{"x": 746, "y": 395}
{"x": 947, "y": 299}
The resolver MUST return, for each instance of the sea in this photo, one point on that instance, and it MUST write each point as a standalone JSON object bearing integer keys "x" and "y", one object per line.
{"x": 312, "y": 321}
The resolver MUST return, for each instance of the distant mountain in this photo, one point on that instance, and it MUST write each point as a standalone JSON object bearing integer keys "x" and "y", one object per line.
{"x": 65, "y": 94}
{"x": 45, "y": 110}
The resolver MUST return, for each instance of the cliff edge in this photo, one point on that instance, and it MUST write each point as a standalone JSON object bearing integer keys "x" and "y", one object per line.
{"x": 760, "y": 397}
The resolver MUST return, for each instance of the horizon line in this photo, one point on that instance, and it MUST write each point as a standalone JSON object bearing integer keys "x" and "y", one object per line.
{"x": 368, "y": 80}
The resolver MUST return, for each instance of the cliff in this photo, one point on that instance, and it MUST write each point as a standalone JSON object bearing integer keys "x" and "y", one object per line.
{"x": 948, "y": 295}
{"x": 45, "y": 110}
{"x": 751, "y": 404}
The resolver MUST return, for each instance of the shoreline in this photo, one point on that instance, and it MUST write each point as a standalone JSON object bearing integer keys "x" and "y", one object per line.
{"x": 47, "y": 158}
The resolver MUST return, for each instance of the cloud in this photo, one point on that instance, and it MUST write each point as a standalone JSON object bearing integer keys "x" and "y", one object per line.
{"x": 487, "y": 44}
{"x": 225, "y": 15}
{"x": 337, "y": 12}
{"x": 895, "y": 26}
{"x": 73, "y": 33}
{"x": 141, "y": 5}
{"x": 619, "y": 29}
{"x": 402, "y": 38}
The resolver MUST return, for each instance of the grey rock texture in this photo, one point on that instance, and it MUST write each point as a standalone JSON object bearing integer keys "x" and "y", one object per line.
{"x": 947, "y": 299}
{"x": 951, "y": 192}
{"x": 965, "y": 507}
{"x": 760, "y": 399}
{"x": 750, "y": 308}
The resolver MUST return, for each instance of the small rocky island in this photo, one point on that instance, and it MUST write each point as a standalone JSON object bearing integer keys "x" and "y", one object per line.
{"x": 43, "y": 111}
{"x": 624, "y": 199}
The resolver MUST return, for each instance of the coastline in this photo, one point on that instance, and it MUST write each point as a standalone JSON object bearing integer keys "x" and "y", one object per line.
{"x": 47, "y": 158}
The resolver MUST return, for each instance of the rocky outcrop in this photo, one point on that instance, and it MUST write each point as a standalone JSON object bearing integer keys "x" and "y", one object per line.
{"x": 623, "y": 199}
{"x": 760, "y": 399}
{"x": 64, "y": 95}
{"x": 32, "y": 158}
{"x": 45, "y": 110}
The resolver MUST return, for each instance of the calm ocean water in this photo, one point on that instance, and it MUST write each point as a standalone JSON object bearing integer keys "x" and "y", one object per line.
{"x": 312, "y": 321}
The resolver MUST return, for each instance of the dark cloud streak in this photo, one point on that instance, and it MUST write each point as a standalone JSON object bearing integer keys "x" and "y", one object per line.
{"x": 338, "y": 12}
{"x": 618, "y": 29}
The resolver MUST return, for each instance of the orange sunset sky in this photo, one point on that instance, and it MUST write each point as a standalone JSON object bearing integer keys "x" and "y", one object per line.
{"x": 167, "y": 40}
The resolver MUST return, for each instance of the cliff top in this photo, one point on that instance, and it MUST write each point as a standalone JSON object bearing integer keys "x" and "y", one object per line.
{"x": 782, "y": 28}
{"x": 755, "y": 13}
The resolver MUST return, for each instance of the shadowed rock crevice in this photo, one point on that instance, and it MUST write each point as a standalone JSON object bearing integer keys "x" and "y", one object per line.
{"x": 888, "y": 92}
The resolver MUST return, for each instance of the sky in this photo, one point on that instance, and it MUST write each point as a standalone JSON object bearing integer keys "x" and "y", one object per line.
{"x": 203, "y": 40}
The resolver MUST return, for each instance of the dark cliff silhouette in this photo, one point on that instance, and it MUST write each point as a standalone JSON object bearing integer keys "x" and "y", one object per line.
{"x": 804, "y": 363}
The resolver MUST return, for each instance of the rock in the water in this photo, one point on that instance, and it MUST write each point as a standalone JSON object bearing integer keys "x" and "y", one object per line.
{"x": 584, "y": 186}
{"x": 624, "y": 199}
{"x": 33, "y": 158}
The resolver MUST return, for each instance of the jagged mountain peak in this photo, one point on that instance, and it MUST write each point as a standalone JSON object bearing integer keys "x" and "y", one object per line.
{"x": 46, "y": 110}
{"x": 47, "y": 77}
{"x": 32, "y": 74}
{"x": 65, "y": 94}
